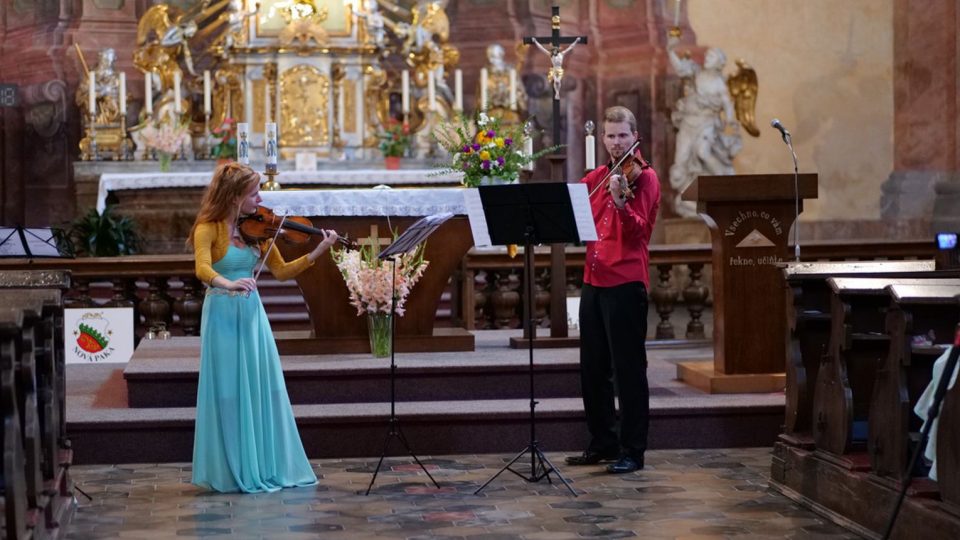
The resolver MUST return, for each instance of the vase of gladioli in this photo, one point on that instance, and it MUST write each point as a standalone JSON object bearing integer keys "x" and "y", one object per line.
{"x": 167, "y": 138}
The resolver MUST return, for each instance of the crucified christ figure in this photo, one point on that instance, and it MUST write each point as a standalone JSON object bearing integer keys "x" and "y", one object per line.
{"x": 555, "y": 75}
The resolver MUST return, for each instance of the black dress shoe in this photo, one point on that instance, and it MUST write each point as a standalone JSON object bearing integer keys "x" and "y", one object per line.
{"x": 626, "y": 464}
{"x": 591, "y": 457}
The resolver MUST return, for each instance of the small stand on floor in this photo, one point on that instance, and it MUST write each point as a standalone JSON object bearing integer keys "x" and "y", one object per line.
{"x": 530, "y": 214}
{"x": 406, "y": 242}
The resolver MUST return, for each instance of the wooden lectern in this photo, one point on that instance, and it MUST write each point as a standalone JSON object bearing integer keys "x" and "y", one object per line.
{"x": 749, "y": 217}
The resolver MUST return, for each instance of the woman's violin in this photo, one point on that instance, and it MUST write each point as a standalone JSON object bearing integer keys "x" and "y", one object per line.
{"x": 264, "y": 225}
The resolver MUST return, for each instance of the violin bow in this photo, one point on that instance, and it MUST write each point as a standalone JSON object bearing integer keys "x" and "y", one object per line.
{"x": 626, "y": 155}
{"x": 273, "y": 241}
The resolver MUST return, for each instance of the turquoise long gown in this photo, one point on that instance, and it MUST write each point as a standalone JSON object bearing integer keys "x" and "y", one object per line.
{"x": 245, "y": 438}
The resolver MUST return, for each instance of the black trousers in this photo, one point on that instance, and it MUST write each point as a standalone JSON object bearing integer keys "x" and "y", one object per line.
{"x": 613, "y": 361}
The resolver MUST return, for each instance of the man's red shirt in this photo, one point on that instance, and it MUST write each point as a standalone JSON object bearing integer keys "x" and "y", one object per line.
{"x": 621, "y": 253}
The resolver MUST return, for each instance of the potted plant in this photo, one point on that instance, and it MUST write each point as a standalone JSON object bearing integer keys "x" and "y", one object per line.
{"x": 101, "y": 235}
{"x": 394, "y": 142}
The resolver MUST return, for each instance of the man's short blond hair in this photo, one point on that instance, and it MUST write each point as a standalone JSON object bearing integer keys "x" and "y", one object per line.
{"x": 619, "y": 113}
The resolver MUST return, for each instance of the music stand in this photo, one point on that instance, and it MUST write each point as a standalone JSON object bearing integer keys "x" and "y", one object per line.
{"x": 406, "y": 242}
{"x": 531, "y": 214}
{"x": 30, "y": 243}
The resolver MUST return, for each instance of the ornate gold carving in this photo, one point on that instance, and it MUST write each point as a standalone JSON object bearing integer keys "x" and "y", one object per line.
{"x": 350, "y": 107}
{"x": 376, "y": 102}
{"x": 305, "y": 98}
{"x": 743, "y": 87}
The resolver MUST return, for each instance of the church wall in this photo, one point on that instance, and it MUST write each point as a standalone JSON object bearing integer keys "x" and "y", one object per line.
{"x": 825, "y": 70}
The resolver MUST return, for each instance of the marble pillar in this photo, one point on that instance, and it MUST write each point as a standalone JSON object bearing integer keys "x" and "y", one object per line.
{"x": 926, "y": 176}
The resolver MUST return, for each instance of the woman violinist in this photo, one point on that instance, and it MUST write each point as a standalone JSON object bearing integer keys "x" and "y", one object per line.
{"x": 245, "y": 438}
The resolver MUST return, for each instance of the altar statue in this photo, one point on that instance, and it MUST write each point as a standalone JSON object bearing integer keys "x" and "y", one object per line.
{"x": 498, "y": 85}
{"x": 107, "y": 90}
{"x": 708, "y": 135}
{"x": 425, "y": 42}
{"x": 555, "y": 75}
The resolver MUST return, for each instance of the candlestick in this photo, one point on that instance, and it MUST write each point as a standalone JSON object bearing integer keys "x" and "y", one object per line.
{"x": 92, "y": 94}
{"x": 590, "y": 144}
{"x": 243, "y": 143}
{"x": 123, "y": 94}
{"x": 676, "y": 14}
{"x": 528, "y": 144}
{"x": 206, "y": 92}
{"x": 148, "y": 92}
{"x": 483, "y": 89}
{"x": 431, "y": 92}
{"x": 458, "y": 90}
{"x": 271, "y": 147}
{"x": 176, "y": 92}
{"x": 405, "y": 91}
{"x": 513, "y": 89}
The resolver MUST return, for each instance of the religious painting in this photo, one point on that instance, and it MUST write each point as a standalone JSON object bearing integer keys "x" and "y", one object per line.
{"x": 336, "y": 18}
{"x": 305, "y": 100}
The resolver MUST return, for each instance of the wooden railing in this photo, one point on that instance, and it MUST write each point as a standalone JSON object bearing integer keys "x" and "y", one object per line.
{"x": 486, "y": 291}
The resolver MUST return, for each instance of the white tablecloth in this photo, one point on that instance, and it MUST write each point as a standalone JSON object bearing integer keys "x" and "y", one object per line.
{"x": 365, "y": 202}
{"x": 372, "y": 177}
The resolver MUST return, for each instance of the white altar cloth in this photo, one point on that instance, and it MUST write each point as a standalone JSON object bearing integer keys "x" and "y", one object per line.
{"x": 372, "y": 177}
{"x": 365, "y": 202}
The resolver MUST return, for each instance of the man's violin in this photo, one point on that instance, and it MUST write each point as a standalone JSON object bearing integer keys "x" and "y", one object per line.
{"x": 264, "y": 225}
{"x": 625, "y": 166}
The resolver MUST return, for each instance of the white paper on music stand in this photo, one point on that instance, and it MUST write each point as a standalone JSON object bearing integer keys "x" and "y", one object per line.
{"x": 39, "y": 243}
{"x": 582, "y": 213}
{"x": 478, "y": 220}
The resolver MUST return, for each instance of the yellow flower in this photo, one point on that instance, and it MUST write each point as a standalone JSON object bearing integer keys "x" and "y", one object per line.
{"x": 484, "y": 155}
{"x": 499, "y": 142}
{"x": 481, "y": 137}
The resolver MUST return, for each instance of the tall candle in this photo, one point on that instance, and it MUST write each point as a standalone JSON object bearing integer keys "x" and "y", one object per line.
{"x": 513, "y": 89}
{"x": 123, "y": 94}
{"x": 206, "y": 92}
{"x": 591, "y": 152}
{"x": 458, "y": 90}
{"x": 148, "y": 92}
{"x": 405, "y": 91}
{"x": 483, "y": 89}
{"x": 271, "y": 148}
{"x": 243, "y": 143}
{"x": 92, "y": 93}
{"x": 431, "y": 92}
{"x": 176, "y": 92}
{"x": 528, "y": 151}
{"x": 676, "y": 14}
{"x": 266, "y": 101}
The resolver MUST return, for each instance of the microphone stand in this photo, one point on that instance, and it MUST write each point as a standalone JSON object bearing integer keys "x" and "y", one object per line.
{"x": 796, "y": 195}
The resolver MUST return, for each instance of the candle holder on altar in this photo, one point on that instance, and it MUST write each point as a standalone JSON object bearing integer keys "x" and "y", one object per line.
{"x": 125, "y": 151}
{"x": 205, "y": 149}
{"x": 271, "y": 184}
{"x": 88, "y": 146}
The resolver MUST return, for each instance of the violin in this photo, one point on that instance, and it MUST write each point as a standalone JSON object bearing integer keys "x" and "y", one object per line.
{"x": 628, "y": 164}
{"x": 264, "y": 225}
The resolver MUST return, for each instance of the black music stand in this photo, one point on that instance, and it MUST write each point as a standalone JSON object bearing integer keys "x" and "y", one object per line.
{"x": 406, "y": 242}
{"x": 30, "y": 243}
{"x": 530, "y": 214}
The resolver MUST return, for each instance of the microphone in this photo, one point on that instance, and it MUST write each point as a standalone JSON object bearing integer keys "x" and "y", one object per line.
{"x": 783, "y": 131}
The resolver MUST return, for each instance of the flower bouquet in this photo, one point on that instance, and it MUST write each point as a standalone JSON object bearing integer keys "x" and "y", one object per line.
{"x": 226, "y": 147}
{"x": 395, "y": 140}
{"x": 370, "y": 282}
{"x": 489, "y": 150}
{"x": 166, "y": 138}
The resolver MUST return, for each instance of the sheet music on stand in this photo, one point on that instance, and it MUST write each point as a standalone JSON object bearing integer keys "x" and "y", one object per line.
{"x": 30, "y": 243}
{"x": 416, "y": 233}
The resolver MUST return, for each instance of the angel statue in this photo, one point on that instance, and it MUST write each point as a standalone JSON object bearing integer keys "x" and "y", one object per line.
{"x": 708, "y": 134}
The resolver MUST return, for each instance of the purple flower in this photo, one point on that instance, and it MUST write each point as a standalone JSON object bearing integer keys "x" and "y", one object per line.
{"x": 491, "y": 134}
{"x": 508, "y": 141}
{"x": 485, "y": 165}
{"x": 476, "y": 147}
{"x": 466, "y": 148}
{"x": 466, "y": 166}
{"x": 500, "y": 161}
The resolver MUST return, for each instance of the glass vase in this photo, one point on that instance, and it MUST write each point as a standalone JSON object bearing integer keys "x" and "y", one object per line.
{"x": 164, "y": 158}
{"x": 379, "y": 327}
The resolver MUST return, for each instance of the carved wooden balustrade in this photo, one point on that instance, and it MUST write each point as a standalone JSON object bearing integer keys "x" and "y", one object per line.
{"x": 486, "y": 292}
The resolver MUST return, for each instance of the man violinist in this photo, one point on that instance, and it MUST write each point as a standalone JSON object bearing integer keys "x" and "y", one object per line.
{"x": 613, "y": 302}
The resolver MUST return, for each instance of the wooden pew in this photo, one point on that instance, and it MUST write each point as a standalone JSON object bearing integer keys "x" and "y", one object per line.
{"x": 808, "y": 317}
{"x": 948, "y": 449}
{"x": 916, "y": 309}
{"x": 14, "y": 481}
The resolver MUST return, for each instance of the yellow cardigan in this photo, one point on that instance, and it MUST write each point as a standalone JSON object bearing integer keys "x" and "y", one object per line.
{"x": 210, "y": 243}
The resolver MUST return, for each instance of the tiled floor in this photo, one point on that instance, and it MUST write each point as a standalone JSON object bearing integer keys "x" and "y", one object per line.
{"x": 682, "y": 494}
